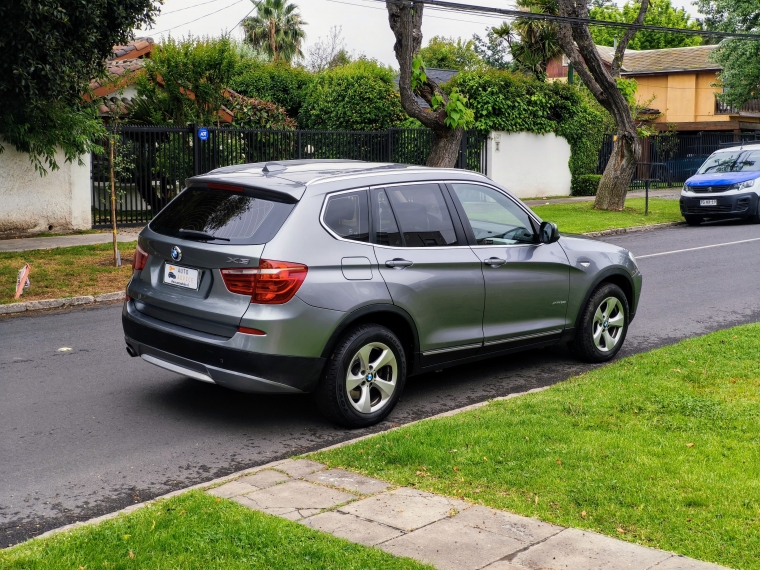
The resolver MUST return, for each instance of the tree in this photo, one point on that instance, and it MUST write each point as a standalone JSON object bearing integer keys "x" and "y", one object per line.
{"x": 450, "y": 53}
{"x": 494, "y": 49}
{"x": 448, "y": 114}
{"x": 739, "y": 58}
{"x": 532, "y": 43}
{"x": 277, "y": 28}
{"x": 578, "y": 45}
{"x": 52, "y": 49}
{"x": 329, "y": 52}
{"x": 660, "y": 13}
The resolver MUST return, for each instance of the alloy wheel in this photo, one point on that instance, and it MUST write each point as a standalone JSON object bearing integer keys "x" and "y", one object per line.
{"x": 609, "y": 320}
{"x": 371, "y": 377}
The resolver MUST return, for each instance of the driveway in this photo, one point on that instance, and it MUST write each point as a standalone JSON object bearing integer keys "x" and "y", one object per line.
{"x": 90, "y": 430}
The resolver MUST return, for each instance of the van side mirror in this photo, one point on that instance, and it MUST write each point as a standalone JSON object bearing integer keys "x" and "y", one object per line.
{"x": 548, "y": 232}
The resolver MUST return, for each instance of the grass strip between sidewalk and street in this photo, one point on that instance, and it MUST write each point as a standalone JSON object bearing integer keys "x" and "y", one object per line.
{"x": 194, "y": 531}
{"x": 661, "y": 449}
{"x": 66, "y": 271}
{"x": 580, "y": 217}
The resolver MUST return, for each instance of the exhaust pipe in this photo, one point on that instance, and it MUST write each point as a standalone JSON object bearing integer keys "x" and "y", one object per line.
{"x": 131, "y": 351}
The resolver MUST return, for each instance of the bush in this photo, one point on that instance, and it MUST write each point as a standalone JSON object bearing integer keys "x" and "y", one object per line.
{"x": 585, "y": 184}
{"x": 253, "y": 113}
{"x": 278, "y": 83}
{"x": 361, "y": 96}
{"x": 510, "y": 102}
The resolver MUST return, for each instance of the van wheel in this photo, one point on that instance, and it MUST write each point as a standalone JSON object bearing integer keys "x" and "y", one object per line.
{"x": 603, "y": 324}
{"x": 364, "y": 377}
{"x": 756, "y": 218}
{"x": 693, "y": 220}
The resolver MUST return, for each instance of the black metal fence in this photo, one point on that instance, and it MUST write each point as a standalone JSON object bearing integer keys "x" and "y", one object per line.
{"x": 151, "y": 163}
{"x": 676, "y": 155}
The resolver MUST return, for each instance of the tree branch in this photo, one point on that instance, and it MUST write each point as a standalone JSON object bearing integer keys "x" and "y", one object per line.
{"x": 617, "y": 61}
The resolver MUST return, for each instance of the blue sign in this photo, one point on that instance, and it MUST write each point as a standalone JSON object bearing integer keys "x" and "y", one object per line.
{"x": 203, "y": 134}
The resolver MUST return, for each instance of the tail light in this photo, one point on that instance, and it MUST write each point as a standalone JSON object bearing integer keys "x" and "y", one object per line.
{"x": 272, "y": 283}
{"x": 139, "y": 260}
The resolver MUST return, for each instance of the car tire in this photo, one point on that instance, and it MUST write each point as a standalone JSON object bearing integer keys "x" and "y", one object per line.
{"x": 363, "y": 378}
{"x": 756, "y": 218}
{"x": 597, "y": 339}
{"x": 693, "y": 220}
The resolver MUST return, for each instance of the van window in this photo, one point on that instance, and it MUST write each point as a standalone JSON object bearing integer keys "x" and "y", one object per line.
{"x": 229, "y": 217}
{"x": 348, "y": 215}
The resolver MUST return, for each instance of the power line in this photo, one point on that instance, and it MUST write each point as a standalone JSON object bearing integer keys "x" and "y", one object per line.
{"x": 187, "y": 7}
{"x": 456, "y": 7}
{"x": 200, "y": 18}
{"x": 381, "y": 8}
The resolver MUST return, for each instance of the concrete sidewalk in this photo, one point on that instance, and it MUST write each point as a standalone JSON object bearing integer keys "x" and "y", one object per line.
{"x": 667, "y": 193}
{"x": 447, "y": 533}
{"x": 28, "y": 244}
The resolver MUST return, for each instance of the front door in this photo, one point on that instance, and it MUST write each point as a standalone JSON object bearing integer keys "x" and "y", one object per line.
{"x": 430, "y": 270}
{"x": 527, "y": 283}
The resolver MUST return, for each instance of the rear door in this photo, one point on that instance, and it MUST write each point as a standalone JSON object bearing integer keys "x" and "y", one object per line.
{"x": 526, "y": 283}
{"x": 198, "y": 234}
{"x": 429, "y": 269}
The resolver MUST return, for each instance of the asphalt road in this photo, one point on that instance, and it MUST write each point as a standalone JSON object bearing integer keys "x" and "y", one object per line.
{"x": 90, "y": 430}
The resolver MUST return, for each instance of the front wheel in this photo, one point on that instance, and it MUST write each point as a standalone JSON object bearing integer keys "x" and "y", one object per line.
{"x": 756, "y": 218}
{"x": 364, "y": 378}
{"x": 603, "y": 324}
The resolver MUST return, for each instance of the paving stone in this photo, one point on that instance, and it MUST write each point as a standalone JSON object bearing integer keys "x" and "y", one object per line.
{"x": 116, "y": 296}
{"x": 299, "y": 467}
{"x": 286, "y": 499}
{"x": 265, "y": 479}
{"x": 231, "y": 489}
{"x": 405, "y": 509}
{"x": 349, "y": 481}
{"x": 574, "y": 549}
{"x": 46, "y": 304}
{"x": 452, "y": 545}
{"x": 524, "y": 529}
{"x": 12, "y": 308}
{"x": 352, "y": 528}
{"x": 682, "y": 563}
{"x": 84, "y": 300}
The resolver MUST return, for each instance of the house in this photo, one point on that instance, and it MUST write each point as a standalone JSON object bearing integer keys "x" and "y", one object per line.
{"x": 681, "y": 79}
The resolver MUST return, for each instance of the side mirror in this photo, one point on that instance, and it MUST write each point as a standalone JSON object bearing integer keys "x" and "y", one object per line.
{"x": 548, "y": 232}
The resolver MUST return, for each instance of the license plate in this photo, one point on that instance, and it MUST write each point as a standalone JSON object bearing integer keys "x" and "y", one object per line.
{"x": 181, "y": 276}
{"x": 708, "y": 202}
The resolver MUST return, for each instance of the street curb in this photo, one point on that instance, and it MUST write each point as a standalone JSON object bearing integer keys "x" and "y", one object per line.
{"x": 635, "y": 229}
{"x": 270, "y": 465}
{"x": 13, "y": 308}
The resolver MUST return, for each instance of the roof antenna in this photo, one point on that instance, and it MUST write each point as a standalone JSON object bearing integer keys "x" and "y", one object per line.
{"x": 273, "y": 167}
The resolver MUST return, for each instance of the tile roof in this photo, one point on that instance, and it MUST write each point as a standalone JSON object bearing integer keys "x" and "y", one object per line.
{"x": 637, "y": 62}
{"x": 117, "y": 75}
{"x": 139, "y": 47}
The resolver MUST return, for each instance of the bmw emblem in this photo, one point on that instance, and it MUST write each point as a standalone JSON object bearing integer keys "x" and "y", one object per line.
{"x": 369, "y": 377}
{"x": 176, "y": 253}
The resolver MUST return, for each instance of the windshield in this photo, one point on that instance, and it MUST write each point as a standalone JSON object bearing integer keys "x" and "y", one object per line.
{"x": 719, "y": 162}
{"x": 748, "y": 162}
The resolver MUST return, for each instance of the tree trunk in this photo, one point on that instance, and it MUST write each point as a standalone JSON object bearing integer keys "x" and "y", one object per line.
{"x": 618, "y": 173}
{"x": 445, "y": 151}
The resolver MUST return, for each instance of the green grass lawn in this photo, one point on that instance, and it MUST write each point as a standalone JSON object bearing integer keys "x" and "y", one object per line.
{"x": 580, "y": 217}
{"x": 66, "y": 271}
{"x": 661, "y": 449}
{"x": 196, "y": 531}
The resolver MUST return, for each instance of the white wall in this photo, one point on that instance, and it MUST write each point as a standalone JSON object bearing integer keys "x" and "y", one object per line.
{"x": 528, "y": 165}
{"x": 30, "y": 203}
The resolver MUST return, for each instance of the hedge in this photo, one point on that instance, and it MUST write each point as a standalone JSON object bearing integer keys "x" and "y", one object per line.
{"x": 585, "y": 184}
{"x": 279, "y": 83}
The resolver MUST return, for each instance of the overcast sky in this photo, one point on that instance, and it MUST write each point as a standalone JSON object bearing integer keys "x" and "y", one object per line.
{"x": 364, "y": 23}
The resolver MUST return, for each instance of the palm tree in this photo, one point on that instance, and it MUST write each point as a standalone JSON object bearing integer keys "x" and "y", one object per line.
{"x": 277, "y": 29}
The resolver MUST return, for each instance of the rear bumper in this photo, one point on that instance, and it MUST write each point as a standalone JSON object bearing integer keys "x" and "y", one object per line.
{"x": 206, "y": 359}
{"x": 728, "y": 206}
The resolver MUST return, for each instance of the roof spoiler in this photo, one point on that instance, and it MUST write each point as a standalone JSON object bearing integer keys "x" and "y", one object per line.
{"x": 224, "y": 184}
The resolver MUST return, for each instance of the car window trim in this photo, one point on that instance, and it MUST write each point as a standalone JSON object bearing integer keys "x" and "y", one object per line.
{"x": 534, "y": 220}
{"x": 330, "y": 230}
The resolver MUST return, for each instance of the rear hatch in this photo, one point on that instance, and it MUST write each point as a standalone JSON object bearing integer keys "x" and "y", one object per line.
{"x": 201, "y": 232}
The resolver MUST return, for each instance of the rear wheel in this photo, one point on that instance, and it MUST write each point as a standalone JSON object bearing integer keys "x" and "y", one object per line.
{"x": 364, "y": 378}
{"x": 603, "y": 325}
{"x": 693, "y": 220}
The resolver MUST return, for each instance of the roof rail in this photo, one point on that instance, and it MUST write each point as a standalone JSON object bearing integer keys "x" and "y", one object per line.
{"x": 739, "y": 143}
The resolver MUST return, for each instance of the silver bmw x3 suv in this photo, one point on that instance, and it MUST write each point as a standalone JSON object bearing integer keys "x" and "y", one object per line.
{"x": 344, "y": 278}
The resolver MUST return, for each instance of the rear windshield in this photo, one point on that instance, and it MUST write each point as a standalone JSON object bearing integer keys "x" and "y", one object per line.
{"x": 227, "y": 216}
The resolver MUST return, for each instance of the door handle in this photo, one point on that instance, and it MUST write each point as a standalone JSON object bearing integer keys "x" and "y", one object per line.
{"x": 495, "y": 261}
{"x": 398, "y": 263}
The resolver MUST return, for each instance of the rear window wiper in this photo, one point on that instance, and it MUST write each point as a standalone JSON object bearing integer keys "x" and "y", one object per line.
{"x": 192, "y": 234}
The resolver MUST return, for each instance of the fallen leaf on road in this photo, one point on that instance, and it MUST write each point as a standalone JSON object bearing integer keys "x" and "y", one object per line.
{"x": 689, "y": 445}
{"x": 583, "y": 514}
{"x": 620, "y": 530}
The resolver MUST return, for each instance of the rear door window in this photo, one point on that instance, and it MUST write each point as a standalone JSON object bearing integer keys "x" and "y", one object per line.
{"x": 347, "y": 215}
{"x": 227, "y": 216}
{"x": 422, "y": 215}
